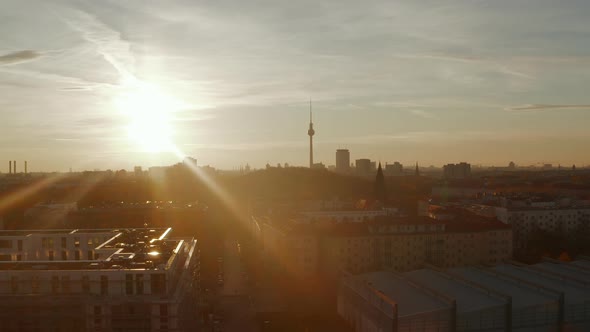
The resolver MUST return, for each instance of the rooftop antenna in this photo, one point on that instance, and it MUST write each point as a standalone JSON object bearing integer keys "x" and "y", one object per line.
{"x": 310, "y": 132}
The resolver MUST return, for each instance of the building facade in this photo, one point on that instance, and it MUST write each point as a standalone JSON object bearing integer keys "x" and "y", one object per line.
{"x": 98, "y": 280}
{"x": 395, "y": 244}
{"x": 526, "y": 220}
{"x": 457, "y": 171}
{"x": 342, "y": 161}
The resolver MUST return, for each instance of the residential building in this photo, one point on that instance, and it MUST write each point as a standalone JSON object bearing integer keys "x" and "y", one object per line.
{"x": 527, "y": 219}
{"x": 98, "y": 280}
{"x": 391, "y": 243}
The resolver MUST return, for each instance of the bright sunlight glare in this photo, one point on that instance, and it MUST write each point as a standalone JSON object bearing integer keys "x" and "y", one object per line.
{"x": 150, "y": 113}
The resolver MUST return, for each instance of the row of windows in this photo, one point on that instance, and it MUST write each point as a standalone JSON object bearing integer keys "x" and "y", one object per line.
{"x": 49, "y": 242}
{"x": 134, "y": 284}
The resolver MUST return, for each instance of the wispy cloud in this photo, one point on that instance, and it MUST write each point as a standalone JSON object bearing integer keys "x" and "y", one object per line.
{"x": 542, "y": 107}
{"x": 107, "y": 41}
{"x": 249, "y": 146}
{"x": 422, "y": 114}
{"x": 18, "y": 57}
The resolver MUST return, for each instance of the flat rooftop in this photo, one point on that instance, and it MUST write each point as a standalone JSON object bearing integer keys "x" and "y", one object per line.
{"x": 139, "y": 248}
{"x": 523, "y": 295}
{"x": 468, "y": 297}
{"x": 574, "y": 292}
{"x": 410, "y": 299}
{"x": 567, "y": 270}
{"x": 585, "y": 264}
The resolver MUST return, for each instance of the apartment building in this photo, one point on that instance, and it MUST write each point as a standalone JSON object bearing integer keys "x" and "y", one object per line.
{"x": 98, "y": 280}
{"x": 390, "y": 243}
{"x": 526, "y": 219}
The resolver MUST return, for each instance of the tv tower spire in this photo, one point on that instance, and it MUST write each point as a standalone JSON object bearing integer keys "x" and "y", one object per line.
{"x": 310, "y": 132}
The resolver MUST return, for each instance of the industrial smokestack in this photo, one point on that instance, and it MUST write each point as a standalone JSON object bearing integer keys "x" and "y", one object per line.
{"x": 25, "y": 167}
{"x": 14, "y": 166}
{"x": 10, "y": 167}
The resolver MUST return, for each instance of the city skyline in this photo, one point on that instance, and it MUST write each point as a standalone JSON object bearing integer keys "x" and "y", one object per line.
{"x": 437, "y": 83}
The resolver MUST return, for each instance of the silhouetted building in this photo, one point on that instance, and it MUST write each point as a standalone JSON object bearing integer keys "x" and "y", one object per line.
{"x": 394, "y": 169}
{"x": 138, "y": 171}
{"x": 342, "y": 160}
{"x": 457, "y": 171}
{"x": 380, "y": 188}
{"x": 319, "y": 166}
{"x": 363, "y": 167}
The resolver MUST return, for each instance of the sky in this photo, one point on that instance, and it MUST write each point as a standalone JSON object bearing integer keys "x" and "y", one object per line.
{"x": 101, "y": 84}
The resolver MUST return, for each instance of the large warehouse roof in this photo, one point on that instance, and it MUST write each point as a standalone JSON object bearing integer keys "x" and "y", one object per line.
{"x": 410, "y": 299}
{"x": 566, "y": 270}
{"x": 523, "y": 294}
{"x": 468, "y": 297}
{"x": 575, "y": 292}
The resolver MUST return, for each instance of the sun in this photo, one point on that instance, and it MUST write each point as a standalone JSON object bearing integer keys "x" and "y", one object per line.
{"x": 149, "y": 113}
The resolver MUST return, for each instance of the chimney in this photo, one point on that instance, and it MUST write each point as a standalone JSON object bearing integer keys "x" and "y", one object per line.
{"x": 14, "y": 166}
{"x": 10, "y": 167}
{"x": 25, "y": 167}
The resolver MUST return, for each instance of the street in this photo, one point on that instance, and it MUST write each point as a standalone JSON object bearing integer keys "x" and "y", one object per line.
{"x": 234, "y": 304}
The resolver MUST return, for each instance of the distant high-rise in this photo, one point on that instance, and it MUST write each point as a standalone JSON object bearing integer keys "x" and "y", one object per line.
{"x": 363, "y": 167}
{"x": 394, "y": 169}
{"x": 310, "y": 132}
{"x": 342, "y": 160}
{"x": 457, "y": 171}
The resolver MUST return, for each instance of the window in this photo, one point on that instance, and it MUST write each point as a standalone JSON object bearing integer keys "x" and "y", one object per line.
{"x": 54, "y": 284}
{"x": 45, "y": 243}
{"x": 14, "y": 284}
{"x": 64, "y": 255}
{"x": 104, "y": 285}
{"x": 65, "y": 284}
{"x": 77, "y": 242}
{"x": 163, "y": 310}
{"x": 77, "y": 255}
{"x": 139, "y": 283}
{"x": 64, "y": 242}
{"x": 19, "y": 257}
{"x": 35, "y": 284}
{"x": 5, "y": 244}
{"x": 129, "y": 284}
{"x": 85, "y": 284}
{"x": 158, "y": 283}
{"x": 90, "y": 255}
{"x": 20, "y": 245}
{"x": 89, "y": 242}
{"x": 51, "y": 255}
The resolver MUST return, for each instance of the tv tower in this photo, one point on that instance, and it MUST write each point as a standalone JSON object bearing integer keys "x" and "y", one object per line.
{"x": 310, "y": 132}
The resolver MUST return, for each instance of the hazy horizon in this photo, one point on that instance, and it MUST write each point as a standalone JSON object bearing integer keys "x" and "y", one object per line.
{"x": 87, "y": 84}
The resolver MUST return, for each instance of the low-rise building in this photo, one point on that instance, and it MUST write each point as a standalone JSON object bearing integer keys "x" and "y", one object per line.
{"x": 549, "y": 296}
